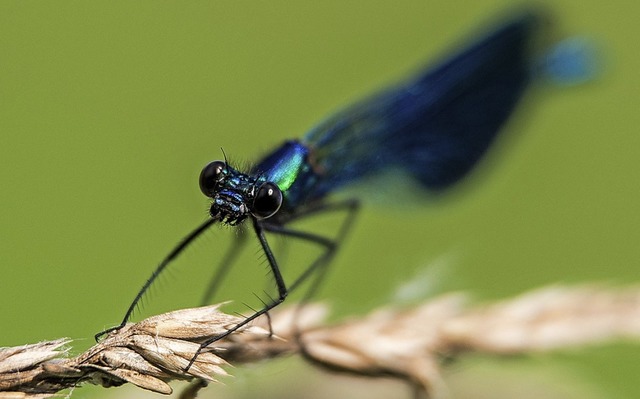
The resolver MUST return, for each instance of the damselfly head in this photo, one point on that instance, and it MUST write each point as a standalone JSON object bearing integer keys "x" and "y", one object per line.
{"x": 237, "y": 195}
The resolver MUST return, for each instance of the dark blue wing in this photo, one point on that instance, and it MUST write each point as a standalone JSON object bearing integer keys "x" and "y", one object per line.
{"x": 435, "y": 127}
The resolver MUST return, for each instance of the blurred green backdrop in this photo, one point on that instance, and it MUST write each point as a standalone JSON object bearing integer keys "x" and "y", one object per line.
{"x": 108, "y": 110}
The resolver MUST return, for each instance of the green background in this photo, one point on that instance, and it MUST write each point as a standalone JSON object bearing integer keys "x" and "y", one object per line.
{"x": 108, "y": 110}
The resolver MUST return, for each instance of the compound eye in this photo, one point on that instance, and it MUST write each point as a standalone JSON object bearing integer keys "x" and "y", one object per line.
{"x": 210, "y": 176}
{"x": 267, "y": 201}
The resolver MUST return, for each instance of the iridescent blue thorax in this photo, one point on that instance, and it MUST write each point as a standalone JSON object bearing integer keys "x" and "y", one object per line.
{"x": 290, "y": 168}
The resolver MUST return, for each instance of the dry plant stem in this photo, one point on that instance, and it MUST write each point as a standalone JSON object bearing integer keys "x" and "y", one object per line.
{"x": 408, "y": 344}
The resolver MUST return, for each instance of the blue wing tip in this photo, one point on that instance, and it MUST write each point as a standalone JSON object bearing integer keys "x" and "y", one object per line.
{"x": 572, "y": 61}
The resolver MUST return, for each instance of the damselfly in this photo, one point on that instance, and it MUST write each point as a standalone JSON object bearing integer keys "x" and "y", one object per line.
{"x": 432, "y": 129}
